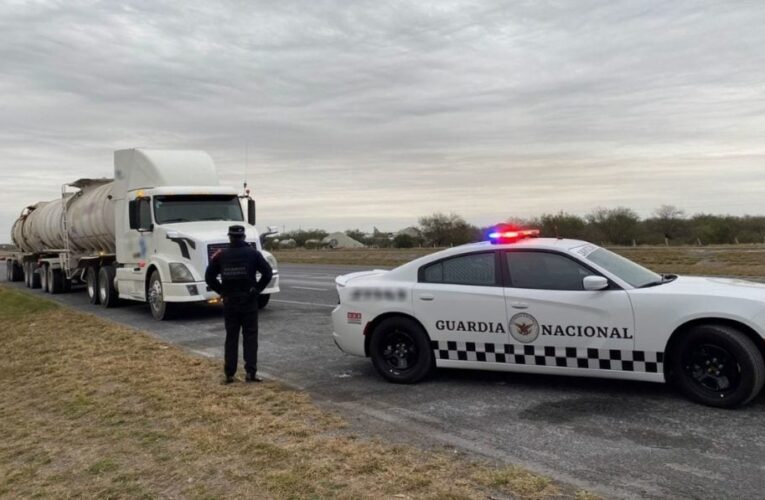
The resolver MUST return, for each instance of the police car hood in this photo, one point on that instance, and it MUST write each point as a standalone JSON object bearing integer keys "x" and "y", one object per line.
{"x": 212, "y": 231}
{"x": 721, "y": 287}
{"x": 345, "y": 279}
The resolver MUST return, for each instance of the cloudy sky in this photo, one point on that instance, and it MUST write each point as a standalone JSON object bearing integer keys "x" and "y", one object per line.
{"x": 377, "y": 112}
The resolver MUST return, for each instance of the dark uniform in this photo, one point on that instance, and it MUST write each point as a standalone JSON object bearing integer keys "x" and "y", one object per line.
{"x": 239, "y": 288}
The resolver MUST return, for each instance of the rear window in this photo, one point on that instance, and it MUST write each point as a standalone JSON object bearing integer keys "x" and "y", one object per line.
{"x": 474, "y": 269}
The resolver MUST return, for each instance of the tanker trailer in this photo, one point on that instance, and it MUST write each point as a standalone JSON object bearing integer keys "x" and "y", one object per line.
{"x": 57, "y": 237}
{"x": 146, "y": 236}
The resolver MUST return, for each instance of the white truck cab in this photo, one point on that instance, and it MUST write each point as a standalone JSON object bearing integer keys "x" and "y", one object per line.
{"x": 171, "y": 215}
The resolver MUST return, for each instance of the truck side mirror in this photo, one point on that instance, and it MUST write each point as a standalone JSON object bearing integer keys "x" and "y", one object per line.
{"x": 133, "y": 214}
{"x": 251, "y": 211}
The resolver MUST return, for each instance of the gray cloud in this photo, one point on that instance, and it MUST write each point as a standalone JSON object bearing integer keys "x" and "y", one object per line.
{"x": 361, "y": 113}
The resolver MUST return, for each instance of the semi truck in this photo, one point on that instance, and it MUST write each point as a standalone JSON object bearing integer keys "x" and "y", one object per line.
{"x": 146, "y": 235}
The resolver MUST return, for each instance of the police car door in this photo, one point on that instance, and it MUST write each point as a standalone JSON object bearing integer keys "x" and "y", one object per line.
{"x": 555, "y": 322}
{"x": 461, "y": 303}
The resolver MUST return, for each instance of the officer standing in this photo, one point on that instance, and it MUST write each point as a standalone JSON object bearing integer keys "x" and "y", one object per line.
{"x": 239, "y": 288}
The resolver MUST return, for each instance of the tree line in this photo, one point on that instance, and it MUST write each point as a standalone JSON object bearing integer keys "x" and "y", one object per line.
{"x": 667, "y": 225}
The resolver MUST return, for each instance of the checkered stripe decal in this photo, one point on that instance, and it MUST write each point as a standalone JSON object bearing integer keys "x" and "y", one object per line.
{"x": 564, "y": 357}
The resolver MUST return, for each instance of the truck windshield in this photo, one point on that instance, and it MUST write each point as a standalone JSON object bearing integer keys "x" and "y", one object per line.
{"x": 634, "y": 274}
{"x": 190, "y": 208}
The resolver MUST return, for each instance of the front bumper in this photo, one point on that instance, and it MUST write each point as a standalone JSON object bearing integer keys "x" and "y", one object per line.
{"x": 200, "y": 292}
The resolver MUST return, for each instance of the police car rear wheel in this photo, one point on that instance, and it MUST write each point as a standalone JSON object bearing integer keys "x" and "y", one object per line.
{"x": 719, "y": 366}
{"x": 400, "y": 351}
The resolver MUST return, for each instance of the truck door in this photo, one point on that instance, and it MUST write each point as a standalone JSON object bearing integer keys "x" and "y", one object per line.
{"x": 461, "y": 303}
{"x": 131, "y": 276}
{"x": 556, "y": 322}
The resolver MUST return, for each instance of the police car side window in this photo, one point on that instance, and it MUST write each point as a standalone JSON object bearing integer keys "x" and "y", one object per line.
{"x": 545, "y": 271}
{"x": 474, "y": 269}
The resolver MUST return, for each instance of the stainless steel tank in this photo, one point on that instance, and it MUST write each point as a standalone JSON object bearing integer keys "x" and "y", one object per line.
{"x": 90, "y": 218}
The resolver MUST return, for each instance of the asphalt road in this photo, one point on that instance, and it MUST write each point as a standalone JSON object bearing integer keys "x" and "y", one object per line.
{"x": 620, "y": 439}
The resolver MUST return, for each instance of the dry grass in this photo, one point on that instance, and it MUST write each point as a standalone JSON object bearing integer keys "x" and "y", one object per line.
{"x": 92, "y": 409}
{"x": 729, "y": 260}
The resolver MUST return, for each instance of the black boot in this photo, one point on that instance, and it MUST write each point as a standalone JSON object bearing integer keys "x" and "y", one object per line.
{"x": 228, "y": 379}
{"x": 252, "y": 377}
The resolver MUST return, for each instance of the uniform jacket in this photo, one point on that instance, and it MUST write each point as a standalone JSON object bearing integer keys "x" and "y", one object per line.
{"x": 237, "y": 266}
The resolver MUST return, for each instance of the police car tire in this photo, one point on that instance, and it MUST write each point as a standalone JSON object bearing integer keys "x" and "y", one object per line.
{"x": 749, "y": 362}
{"x": 91, "y": 284}
{"x": 398, "y": 326}
{"x": 263, "y": 300}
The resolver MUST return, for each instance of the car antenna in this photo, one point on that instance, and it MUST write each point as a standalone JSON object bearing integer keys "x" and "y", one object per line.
{"x": 557, "y": 235}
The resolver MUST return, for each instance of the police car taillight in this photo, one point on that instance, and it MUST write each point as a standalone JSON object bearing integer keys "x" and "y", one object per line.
{"x": 510, "y": 234}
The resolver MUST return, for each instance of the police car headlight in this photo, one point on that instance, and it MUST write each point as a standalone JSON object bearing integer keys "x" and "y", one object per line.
{"x": 179, "y": 273}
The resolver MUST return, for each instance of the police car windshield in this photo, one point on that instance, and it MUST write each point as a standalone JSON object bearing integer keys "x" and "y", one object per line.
{"x": 190, "y": 208}
{"x": 634, "y": 274}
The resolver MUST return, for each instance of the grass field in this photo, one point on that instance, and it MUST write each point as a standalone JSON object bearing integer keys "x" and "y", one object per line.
{"x": 92, "y": 409}
{"x": 728, "y": 260}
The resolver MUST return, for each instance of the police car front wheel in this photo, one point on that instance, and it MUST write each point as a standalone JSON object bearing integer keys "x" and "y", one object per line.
{"x": 717, "y": 365}
{"x": 400, "y": 350}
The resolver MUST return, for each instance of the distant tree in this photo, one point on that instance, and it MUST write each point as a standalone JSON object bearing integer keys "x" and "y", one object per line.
{"x": 619, "y": 226}
{"x": 404, "y": 241}
{"x": 445, "y": 230}
{"x": 669, "y": 221}
{"x": 562, "y": 225}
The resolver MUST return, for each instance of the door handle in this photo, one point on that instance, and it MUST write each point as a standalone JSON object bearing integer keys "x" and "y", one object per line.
{"x": 426, "y": 297}
{"x": 519, "y": 305}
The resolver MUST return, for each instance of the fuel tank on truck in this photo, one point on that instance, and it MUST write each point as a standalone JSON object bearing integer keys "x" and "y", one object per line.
{"x": 90, "y": 217}
{"x": 90, "y": 214}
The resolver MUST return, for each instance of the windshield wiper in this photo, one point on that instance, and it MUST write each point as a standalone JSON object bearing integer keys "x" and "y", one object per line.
{"x": 214, "y": 218}
{"x": 174, "y": 220}
{"x": 665, "y": 278}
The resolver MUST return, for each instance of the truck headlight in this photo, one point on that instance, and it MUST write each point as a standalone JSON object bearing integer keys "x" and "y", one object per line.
{"x": 179, "y": 273}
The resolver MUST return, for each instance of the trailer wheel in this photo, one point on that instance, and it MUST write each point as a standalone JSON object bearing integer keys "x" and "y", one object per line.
{"x": 55, "y": 280}
{"x": 44, "y": 278}
{"x": 91, "y": 282}
{"x": 107, "y": 295}
{"x": 34, "y": 278}
{"x": 155, "y": 295}
{"x": 17, "y": 273}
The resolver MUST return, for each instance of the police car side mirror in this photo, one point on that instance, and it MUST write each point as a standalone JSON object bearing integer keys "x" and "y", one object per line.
{"x": 594, "y": 283}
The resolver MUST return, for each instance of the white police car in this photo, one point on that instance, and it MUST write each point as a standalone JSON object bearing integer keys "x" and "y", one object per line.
{"x": 556, "y": 306}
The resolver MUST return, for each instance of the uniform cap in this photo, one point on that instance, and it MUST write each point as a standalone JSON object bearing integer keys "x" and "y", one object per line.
{"x": 237, "y": 231}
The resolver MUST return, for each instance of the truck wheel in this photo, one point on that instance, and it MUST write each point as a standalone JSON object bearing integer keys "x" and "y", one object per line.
{"x": 91, "y": 284}
{"x": 34, "y": 277}
{"x": 17, "y": 273}
{"x": 107, "y": 295}
{"x": 160, "y": 309}
{"x": 55, "y": 280}
{"x": 44, "y": 278}
{"x": 263, "y": 300}
{"x": 719, "y": 366}
{"x": 401, "y": 351}
{"x": 8, "y": 270}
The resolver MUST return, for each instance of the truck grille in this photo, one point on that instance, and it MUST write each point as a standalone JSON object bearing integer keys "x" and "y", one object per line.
{"x": 215, "y": 247}
{"x": 211, "y": 249}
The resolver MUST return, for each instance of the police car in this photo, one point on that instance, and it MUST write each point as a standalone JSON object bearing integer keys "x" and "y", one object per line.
{"x": 522, "y": 303}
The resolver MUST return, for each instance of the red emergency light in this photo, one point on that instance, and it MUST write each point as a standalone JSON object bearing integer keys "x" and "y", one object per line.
{"x": 510, "y": 234}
